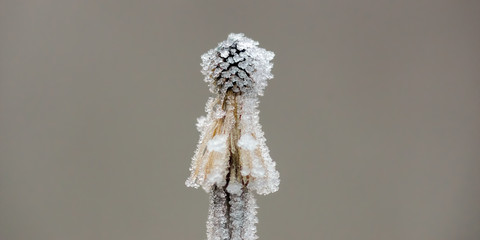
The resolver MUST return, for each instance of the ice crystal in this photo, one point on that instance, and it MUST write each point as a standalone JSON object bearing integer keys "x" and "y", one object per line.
{"x": 232, "y": 160}
{"x": 218, "y": 143}
{"x": 239, "y": 56}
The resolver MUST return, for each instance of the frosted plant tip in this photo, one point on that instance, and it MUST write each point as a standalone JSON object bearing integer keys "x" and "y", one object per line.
{"x": 232, "y": 160}
{"x": 237, "y": 64}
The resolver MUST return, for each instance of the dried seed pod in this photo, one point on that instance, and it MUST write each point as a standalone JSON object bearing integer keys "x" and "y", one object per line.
{"x": 232, "y": 160}
{"x": 237, "y": 64}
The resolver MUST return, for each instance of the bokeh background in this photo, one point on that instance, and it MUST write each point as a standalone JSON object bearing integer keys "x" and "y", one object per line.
{"x": 373, "y": 117}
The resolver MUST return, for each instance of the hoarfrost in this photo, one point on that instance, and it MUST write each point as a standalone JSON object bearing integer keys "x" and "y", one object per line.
{"x": 218, "y": 143}
{"x": 234, "y": 219}
{"x": 232, "y": 160}
{"x": 242, "y": 52}
{"x": 201, "y": 122}
{"x": 234, "y": 187}
{"x": 217, "y": 228}
{"x": 247, "y": 142}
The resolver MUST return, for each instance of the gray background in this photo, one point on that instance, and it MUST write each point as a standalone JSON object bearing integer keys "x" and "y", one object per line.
{"x": 373, "y": 117}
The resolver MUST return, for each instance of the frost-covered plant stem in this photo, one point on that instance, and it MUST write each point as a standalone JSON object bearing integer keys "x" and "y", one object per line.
{"x": 231, "y": 216}
{"x": 232, "y": 160}
{"x": 232, "y": 212}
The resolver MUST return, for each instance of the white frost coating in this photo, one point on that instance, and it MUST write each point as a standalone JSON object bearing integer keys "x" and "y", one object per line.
{"x": 201, "y": 123}
{"x": 217, "y": 228}
{"x": 234, "y": 187}
{"x": 218, "y": 144}
{"x": 236, "y": 65}
{"x": 237, "y": 215}
{"x": 216, "y": 176}
{"x": 232, "y": 143}
{"x": 210, "y": 162}
{"x": 245, "y": 171}
{"x": 243, "y": 216}
{"x": 247, "y": 142}
{"x": 262, "y": 168}
{"x": 257, "y": 171}
{"x": 236, "y": 222}
{"x": 250, "y": 217}
{"x": 241, "y": 57}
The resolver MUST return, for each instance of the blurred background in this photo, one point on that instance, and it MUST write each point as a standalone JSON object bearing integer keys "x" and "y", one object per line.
{"x": 373, "y": 117}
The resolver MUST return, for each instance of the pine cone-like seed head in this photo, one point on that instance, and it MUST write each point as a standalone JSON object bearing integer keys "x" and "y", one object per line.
{"x": 237, "y": 64}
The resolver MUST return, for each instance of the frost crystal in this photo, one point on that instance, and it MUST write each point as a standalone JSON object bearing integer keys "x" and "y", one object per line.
{"x": 218, "y": 143}
{"x": 239, "y": 56}
{"x": 232, "y": 160}
{"x": 247, "y": 142}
